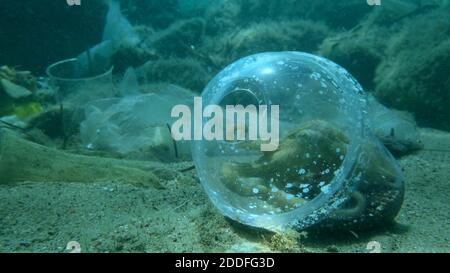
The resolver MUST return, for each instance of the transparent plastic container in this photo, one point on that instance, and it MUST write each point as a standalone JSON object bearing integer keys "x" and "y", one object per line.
{"x": 328, "y": 163}
{"x": 77, "y": 82}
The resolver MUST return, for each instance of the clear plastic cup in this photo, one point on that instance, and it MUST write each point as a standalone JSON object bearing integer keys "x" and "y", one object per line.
{"x": 328, "y": 167}
{"x": 77, "y": 83}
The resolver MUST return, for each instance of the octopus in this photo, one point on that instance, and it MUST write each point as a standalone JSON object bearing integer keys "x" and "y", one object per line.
{"x": 301, "y": 168}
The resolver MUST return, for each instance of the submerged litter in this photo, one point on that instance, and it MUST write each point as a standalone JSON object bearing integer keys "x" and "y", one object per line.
{"x": 327, "y": 156}
{"x": 136, "y": 124}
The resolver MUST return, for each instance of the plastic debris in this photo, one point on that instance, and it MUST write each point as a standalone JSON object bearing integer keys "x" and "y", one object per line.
{"x": 328, "y": 170}
{"x": 137, "y": 124}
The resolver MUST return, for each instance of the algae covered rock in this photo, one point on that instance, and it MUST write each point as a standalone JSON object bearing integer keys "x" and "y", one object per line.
{"x": 175, "y": 40}
{"x": 360, "y": 51}
{"x": 414, "y": 74}
{"x": 187, "y": 72}
{"x": 17, "y": 89}
{"x": 401, "y": 51}
{"x": 339, "y": 14}
{"x": 23, "y": 78}
{"x": 14, "y": 91}
{"x": 296, "y": 35}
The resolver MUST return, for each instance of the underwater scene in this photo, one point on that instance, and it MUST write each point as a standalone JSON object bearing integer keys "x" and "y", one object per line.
{"x": 225, "y": 126}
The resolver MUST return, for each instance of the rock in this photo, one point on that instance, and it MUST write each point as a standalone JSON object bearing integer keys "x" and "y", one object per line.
{"x": 397, "y": 130}
{"x": 22, "y": 78}
{"x": 186, "y": 72}
{"x": 178, "y": 38}
{"x": 337, "y": 14}
{"x": 414, "y": 74}
{"x": 15, "y": 91}
{"x": 295, "y": 35}
{"x": 358, "y": 52}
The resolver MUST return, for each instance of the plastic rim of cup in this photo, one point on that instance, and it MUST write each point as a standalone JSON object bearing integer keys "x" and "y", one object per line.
{"x": 49, "y": 71}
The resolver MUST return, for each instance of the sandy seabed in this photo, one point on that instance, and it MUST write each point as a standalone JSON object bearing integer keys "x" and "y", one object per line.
{"x": 120, "y": 217}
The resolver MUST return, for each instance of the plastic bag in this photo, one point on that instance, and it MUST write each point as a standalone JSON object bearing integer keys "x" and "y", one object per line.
{"x": 137, "y": 125}
{"x": 118, "y": 29}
